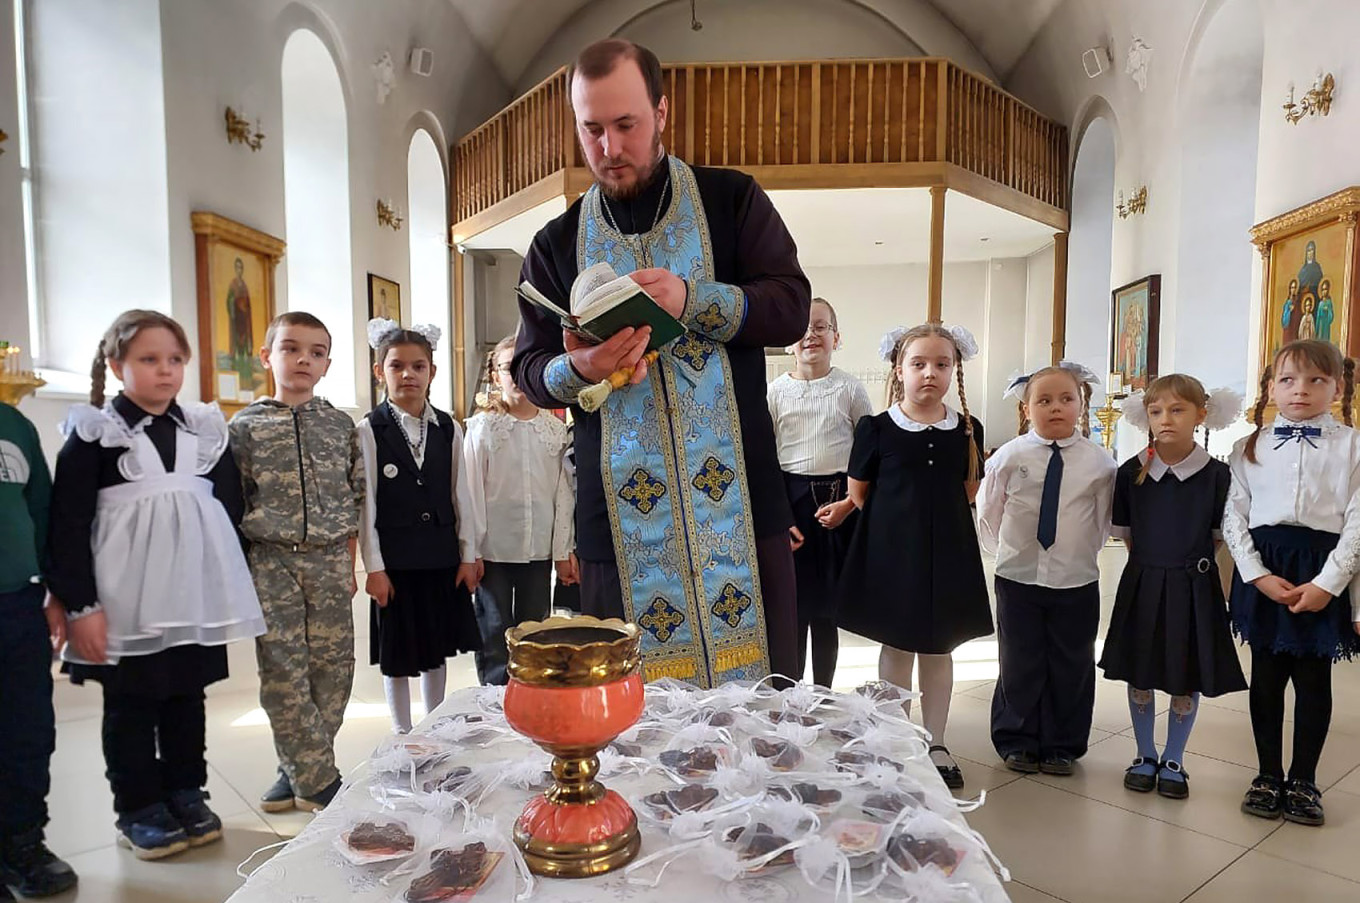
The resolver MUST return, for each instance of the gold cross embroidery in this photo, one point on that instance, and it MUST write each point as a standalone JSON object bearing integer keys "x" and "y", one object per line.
{"x": 731, "y": 605}
{"x": 711, "y": 318}
{"x": 642, "y": 491}
{"x": 661, "y": 619}
{"x": 714, "y": 479}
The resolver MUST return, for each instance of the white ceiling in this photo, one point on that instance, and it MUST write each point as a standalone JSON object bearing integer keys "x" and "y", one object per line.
{"x": 853, "y": 227}
{"x": 513, "y": 31}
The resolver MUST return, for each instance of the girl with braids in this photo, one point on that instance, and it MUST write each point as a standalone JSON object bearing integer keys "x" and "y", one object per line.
{"x": 814, "y": 410}
{"x": 522, "y": 509}
{"x": 913, "y": 578}
{"x": 1045, "y": 513}
{"x": 1293, "y": 526}
{"x": 414, "y": 535}
{"x": 1169, "y": 630}
{"x": 148, "y": 567}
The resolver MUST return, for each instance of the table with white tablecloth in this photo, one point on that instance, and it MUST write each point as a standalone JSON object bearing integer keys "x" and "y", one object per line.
{"x": 828, "y": 735}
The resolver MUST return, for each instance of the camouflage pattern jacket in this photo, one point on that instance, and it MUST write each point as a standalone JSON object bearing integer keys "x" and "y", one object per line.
{"x": 301, "y": 471}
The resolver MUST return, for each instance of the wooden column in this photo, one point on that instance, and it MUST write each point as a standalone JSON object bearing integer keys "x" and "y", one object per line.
{"x": 935, "y": 291}
{"x": 1059, "y": 296}
{"x": 459, "y": 354}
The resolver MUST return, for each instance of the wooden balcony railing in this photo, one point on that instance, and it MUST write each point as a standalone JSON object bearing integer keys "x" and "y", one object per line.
{"x": 855, "y": 121}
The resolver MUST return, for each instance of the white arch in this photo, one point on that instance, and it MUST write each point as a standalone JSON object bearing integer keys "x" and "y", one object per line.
{"x": 317, "y": 200}
{"x": 1090, "y": 243}
{"x": 1218, "y": 121}
{"x": 428, "y": 233}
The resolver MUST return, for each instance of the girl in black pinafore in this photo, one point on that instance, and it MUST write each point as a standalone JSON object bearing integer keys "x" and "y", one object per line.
{"x": 1169, "y": 629}
{"x": 420, "y": 574}
{"x": 913, "y": 577}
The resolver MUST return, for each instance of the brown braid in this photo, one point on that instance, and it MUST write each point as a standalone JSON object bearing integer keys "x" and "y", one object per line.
{"x": 973, "y": 451}
{"x": 1347, "y": 390}
{"x": 114, "y": 345}
{"x": 1147, "y": 462}
{"x": 1086, "y": 409}
{"x": 1024, "y": 421}
{"x": 1258, "y": 412}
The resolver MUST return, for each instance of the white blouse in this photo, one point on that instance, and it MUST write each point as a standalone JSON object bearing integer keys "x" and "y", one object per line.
{"x": 462, "y": 489}
{"x": 814, "y": 421}
{"x": 522, "y": 500}
{"x": 1008, "y": 510}
{"x": 1309, "y": 482}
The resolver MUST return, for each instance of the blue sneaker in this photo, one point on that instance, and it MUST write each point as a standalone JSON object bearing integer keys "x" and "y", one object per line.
{"x": 152, "y": 833}
{"x": 199, "y": 822}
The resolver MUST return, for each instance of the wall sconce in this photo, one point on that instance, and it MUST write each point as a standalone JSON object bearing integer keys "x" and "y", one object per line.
{"x": 238, "y": 131}
{"x": 389, "y": 216}
{"x": 1317, "y": 101}
{"x": 1137, "y": 203}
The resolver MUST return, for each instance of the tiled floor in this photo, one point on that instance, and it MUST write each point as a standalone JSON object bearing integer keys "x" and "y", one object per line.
{"x": 1082, "y": 838}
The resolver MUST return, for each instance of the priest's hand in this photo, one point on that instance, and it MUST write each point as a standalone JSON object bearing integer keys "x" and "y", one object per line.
{"x": 668, "y": 289}
{"x": 833, "y": 514}
{"x": 796, "y": 539}
{"x": 624, "y": 349}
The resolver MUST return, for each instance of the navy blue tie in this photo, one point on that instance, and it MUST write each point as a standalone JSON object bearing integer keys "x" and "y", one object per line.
{"x": 1048, "y": 506}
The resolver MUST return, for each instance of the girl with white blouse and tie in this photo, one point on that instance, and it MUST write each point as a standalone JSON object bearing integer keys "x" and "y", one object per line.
{"x": 814, "y": 410}
{"x": 418, "y": 549}
{"x": 1044, "y": 511}
{"x": 1292, "y": 524}
{"x": 522, "y": 507}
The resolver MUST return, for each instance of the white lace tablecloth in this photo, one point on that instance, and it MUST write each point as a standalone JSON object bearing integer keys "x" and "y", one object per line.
{"x": 309, "y": 869}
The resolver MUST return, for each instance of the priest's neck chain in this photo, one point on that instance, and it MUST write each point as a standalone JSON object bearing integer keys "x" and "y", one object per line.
{"x": 640, "y": 248}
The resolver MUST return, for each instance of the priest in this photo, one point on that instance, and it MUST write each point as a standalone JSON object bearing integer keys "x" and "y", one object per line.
{"x": 683, "y": 525}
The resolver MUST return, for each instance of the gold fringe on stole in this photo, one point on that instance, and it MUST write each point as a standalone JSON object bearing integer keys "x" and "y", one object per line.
{"x": 679, "y": 669}
{"x": 738, "y": 656}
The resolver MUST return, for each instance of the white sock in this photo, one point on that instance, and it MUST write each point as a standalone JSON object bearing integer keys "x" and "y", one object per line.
{"x": 398, "y": 693}
{"x": 432, "y": 687}
{"x": 937, "y": 687}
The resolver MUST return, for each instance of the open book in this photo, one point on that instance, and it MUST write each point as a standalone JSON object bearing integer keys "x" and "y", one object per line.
{"x": 603, "y": 302}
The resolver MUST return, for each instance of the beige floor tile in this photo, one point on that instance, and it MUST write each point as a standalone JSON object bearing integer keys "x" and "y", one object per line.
{"x": 1350, "y": 783}
{"x": 1225, "y": 734}
{"x": 979, "y": 776}
{"x": 1023, "y": 893}
{"x": 1257, "y": 876}
{"x": 970, "y": 730}
{"x": 1216, "y": 792}
{"x": 1330, "y": 849}
{"x": 1078, "y": 849}
{"x": 113, "y": 875}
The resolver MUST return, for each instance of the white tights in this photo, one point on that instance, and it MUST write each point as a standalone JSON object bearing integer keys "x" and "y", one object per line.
{"x": 398, "y": 692}
{"x": 937, "y": 687}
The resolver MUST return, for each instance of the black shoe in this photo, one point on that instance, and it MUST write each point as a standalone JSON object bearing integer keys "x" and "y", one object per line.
{"x": 1142, "y": 783}
{"x": 319, "y": 801}
{"x": 199, "y": 822}
{"x": 152, "y": 833}
{"x": 950, "y": 774}
{"x": 1175, "y": 788}
{"x": 279, "y": 797}
{"x": 1303, "y": 803}
{"x": 28, "y": 866}
{"x": 1263, "y": 798}
{"x": 1023, "y": 762}
{"x": 1057, "y": 763}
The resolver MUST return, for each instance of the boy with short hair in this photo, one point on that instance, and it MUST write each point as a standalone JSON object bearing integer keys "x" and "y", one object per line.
{"x": 303, "y": 478}
{"x": 27, "y": 722}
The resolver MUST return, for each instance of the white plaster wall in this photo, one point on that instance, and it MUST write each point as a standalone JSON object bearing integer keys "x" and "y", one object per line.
{"x": 220, "y": 52}
{"x": 1038, "y": 309}
{"x": 1007, "y": 302}
{"x": 428, "y": 233}
{"x": 736, "y": 30}
{"x": 1088, "y": 250}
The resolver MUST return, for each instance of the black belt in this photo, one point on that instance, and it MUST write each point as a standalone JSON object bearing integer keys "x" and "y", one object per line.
{"x": 1201, "y": 565}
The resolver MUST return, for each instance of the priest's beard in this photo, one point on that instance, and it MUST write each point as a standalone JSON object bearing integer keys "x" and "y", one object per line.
{"x": 647, "y": 173}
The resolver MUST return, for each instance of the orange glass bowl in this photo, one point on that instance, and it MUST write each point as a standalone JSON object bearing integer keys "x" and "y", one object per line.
{"x": 574, "y": 686}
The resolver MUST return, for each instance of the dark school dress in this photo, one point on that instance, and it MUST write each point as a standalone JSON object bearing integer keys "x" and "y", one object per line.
{"x": 1169, "y": 630}
{"x": 429, "y": 617}
{"x": 913, "y": 576}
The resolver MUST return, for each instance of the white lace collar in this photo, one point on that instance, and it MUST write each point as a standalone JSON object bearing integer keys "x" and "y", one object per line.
{"x": 1184, "y": 469}
{"x": 899, "y": 417}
